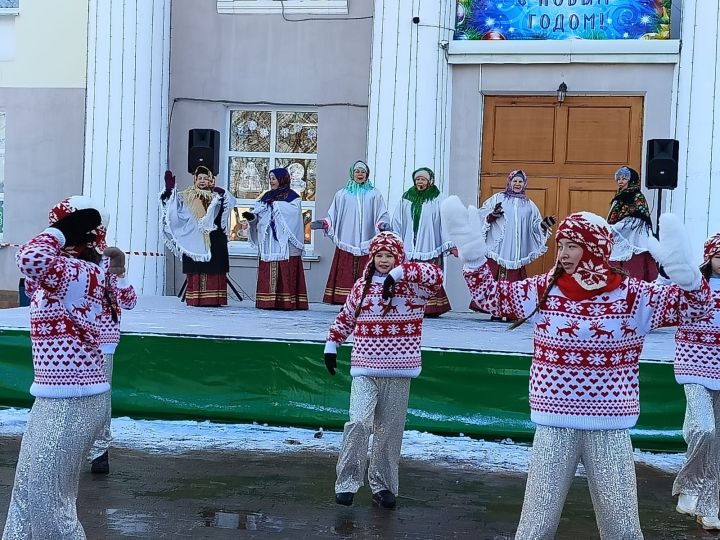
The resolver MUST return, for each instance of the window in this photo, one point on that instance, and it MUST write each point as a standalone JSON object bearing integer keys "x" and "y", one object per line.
{"x": 262, "y": 140}
{"x": 317, "y": 7}
{"x": 2, "y": 173}
{"x": 9, "y": 7}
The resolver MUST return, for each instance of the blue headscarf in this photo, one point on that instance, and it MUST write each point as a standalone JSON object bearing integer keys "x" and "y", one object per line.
{"x": 283, "y": 191}
{"x": 352, "y": 186}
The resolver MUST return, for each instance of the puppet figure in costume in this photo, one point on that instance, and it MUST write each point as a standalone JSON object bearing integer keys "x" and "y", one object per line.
{"x": 356, "y": 214}
{"x": 194, "y": 227}
{"x": 697, "y": 350}
{"x": 70, "y": 386}
{"x": 630, "y": 220}
{"x": 590, "y": 322}
{"x": 515, "y": 232}
{"x": 276, "y": 228}
{"x": 384, "y": 311}
{"x": 417, "y": 221}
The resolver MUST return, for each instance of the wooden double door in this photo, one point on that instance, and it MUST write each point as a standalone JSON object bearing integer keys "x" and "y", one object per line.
{"x": 570, "y": 151}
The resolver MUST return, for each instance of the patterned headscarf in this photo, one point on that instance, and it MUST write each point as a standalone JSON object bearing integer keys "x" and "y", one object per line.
{"x": 508, "y": 186}
{"x": 710, "y": 248}
{"x": 417, "y": 198}
{"x": 387, "y": 241}
{"x": 79, "y": 202}
{"x": 592, "y": 233}
{"x": 352, "y": 186}
{"x": 629, "y": 202}
{"x": 283, "y": 191}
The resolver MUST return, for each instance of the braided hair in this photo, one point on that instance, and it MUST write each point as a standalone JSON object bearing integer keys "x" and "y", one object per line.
{"x": 367, "y": 278}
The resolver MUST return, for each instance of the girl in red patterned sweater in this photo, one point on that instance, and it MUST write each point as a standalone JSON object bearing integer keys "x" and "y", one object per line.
{"x": 590, "y": 322}
{"x": 384, "y": 312}
{"x": 69, "y": 385}
{"x": 697, "y": 368}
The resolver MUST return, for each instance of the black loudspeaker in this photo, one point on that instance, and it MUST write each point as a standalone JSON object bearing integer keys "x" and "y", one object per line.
{"x": 204, "y": 149}
{"x": 661, "y": 164}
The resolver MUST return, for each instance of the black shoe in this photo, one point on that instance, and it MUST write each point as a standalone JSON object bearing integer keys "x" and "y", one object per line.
{"x": 100, "y": 465}
{"x": 384, "y": 499}
{"x": 493, "y": 318}
{"x": 345, "y": 498}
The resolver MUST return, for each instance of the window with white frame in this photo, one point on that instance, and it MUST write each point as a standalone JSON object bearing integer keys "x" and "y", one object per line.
{"x": 2, "y": 173}
{"x": 317, "y": 7}
{"x": 9, "y": 7}
{"x": 262, "y": 140}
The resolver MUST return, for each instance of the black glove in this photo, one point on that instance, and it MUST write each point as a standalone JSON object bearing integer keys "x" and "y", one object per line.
{"x": 169, "y": 181}
{"x": 220, "y": 191}
{"x": 76, "y": 227}
{"x": 388, "y": 288}
{"x": 498, "y": 210}
{"x": 317, "y": 224}
{"x": 661, "y": 270}
{"x": 248, "y": 215}
{"x": 331, "y": 362}
{"x": 548, "y": 222}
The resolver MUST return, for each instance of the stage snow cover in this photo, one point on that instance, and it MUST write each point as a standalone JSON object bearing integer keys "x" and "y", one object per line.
{"x": 179, "y": 437}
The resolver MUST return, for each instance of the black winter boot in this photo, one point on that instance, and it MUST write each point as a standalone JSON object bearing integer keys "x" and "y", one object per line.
{"x": 384, "y": 499}
{"x": 100, "y": 465}
{"x": 345, "y": 498}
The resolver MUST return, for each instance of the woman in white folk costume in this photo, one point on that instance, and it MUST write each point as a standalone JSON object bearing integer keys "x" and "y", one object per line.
{"x": 515, "y": 232}
{"x": 194, "y": 224}
{"x": 417, "y": 221}
{"x": 629, "y": 218}
{"x": 357, "y": 213}
{"x": 276, "y": 228}
{"x": 590, "y": 325}
{"x": 697, "y": 368}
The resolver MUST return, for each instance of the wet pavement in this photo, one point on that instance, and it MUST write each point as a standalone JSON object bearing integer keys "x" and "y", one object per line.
{"x": 241, "y": 495}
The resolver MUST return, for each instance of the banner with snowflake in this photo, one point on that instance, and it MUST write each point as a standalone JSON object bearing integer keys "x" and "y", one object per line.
{"x": 562, "y": 19}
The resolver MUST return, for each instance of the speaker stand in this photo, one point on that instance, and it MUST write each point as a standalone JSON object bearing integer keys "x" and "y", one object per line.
{"x": 658, "y": 211}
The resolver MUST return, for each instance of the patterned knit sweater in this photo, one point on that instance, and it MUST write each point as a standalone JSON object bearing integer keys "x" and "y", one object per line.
{"x": 697, "y": 346}
{"x": 64, "y": 319}
{"x": 387, "y": 346}
{"x": 122, "y": 295}
{"x": 584, "y": 372}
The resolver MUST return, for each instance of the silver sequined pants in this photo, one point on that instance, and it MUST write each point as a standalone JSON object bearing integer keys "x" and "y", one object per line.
{"x": 58, "y": 436}
{"x": 378, "y": 406}
{"x": 700, "y": 474}
{"x": 607, "y": 456}
{"x": 102, "y": 443}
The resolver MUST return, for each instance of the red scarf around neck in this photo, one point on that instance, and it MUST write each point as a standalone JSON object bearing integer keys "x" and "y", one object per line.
{"x": 574, "y": 291}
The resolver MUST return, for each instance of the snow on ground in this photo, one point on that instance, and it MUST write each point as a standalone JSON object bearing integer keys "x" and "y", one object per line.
{"x": 178, "y": 437}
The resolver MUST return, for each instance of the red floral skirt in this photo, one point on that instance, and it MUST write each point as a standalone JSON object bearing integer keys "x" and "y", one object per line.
{"x": 206, "y": 290}
{"x": 281, "y": 285}
{"x": 641, "y": 266}
{"x": 346, "y": 269}
{"x": 438, "y": 303}
{"x": 501, "y": 274}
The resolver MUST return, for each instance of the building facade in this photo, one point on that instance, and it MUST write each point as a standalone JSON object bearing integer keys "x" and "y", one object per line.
{"x": 315, "y": 85}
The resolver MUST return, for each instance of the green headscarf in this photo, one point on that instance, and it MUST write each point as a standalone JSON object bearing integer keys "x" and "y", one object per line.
{"x": 352, "y": 186}
{"x": 418, "y": 198}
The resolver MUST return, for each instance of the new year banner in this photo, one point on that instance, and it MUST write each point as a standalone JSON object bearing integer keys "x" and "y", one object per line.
{"x": 562, "y": 19}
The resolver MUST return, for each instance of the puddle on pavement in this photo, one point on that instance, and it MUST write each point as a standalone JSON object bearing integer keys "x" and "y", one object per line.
{"x": 249, "y": 521}
{"x": 128, "y": 523}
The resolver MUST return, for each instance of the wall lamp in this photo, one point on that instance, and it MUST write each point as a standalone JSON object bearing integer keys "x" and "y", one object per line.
{"x": 561, "y": 92}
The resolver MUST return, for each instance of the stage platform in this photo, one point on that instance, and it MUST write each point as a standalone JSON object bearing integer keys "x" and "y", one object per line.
{"x": 240, "y": 364}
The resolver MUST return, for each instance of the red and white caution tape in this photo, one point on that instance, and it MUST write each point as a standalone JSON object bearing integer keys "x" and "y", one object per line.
{"x": 140, "y": 253}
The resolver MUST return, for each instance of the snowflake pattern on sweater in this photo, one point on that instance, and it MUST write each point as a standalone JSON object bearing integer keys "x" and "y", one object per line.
{"x": 122, "y": 295}
{"x": 64, "y": 319}
{"x": 584, "y": 372}
{"x": 697, "y": 346}
{"x": 389, "y": 345}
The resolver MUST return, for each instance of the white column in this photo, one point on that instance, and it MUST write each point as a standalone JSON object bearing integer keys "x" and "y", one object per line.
{"x": 410, "y": 93}
{"x": 126, "y": 132}
{"x": 697, "y": 197}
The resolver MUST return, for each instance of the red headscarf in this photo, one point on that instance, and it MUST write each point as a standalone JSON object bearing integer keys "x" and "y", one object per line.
{"x": 593, "y": 274}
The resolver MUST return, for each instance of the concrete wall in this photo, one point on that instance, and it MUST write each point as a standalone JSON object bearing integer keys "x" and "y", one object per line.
{"x": 43, "y": 161}
{"x": 471, "y": 82}
{"x": 219, "y": 61}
